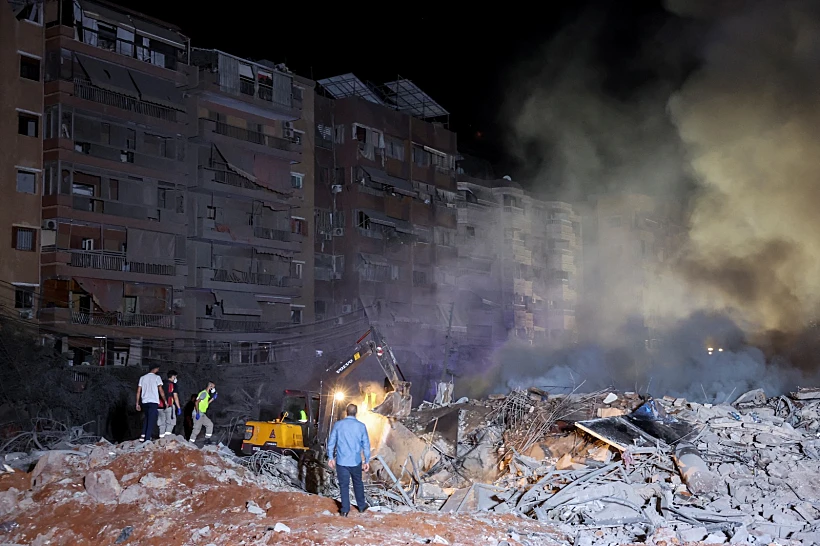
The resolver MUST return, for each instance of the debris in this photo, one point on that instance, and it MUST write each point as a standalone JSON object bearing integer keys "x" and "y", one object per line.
{"x": 254, "y": 508}
{"x": 124, "y": 535}
{"x": 694, "y": 470}
{"x": 102, "y": 486}
{"x": 281, "y": 528}
{"x": 440, "y": 540}
{"x": 610, "y": 398}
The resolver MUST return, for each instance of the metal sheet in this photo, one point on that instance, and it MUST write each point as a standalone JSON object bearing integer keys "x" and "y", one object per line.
{"x": 150, "y": 247}
{"x": 374, "y": 259}
{"x": 157, "y": 90}
{"x": 383, "y": 178}
{"x": 108, "y": 76}
{"x": 382, "y": 219}
{"x": 107, "y": 295}
{"x": 238, "y": 303}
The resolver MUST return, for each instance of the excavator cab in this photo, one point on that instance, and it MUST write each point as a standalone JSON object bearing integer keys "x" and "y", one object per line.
{"x": 296, "y": 428}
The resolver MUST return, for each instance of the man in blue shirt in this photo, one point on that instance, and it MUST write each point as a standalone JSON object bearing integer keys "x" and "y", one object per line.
{"x": 347, "y": 444}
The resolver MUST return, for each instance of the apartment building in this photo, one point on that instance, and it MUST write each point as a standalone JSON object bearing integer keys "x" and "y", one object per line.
{"x": 114, "y": 180}
{"x": 627, "y": 240}
{"x": 249, "y": 245}
{"x": 519, "y": 261}
{"x": 385, "y": 213}
{"x": 21, "y": 175}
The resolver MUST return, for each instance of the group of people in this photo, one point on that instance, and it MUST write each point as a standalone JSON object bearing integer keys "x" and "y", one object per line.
{"x": 160, "y": 404}
{"x": 348, "y": 445}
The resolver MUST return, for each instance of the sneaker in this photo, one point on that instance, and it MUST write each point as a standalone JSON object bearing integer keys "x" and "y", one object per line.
{"x": 343, "y": 514}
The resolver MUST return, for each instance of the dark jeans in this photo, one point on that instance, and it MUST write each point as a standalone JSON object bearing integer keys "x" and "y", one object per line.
{"x": 149, "y": 425}
{"x": 345, "y": 474}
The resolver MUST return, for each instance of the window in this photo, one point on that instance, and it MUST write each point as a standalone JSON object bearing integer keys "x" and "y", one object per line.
{"x": 105, "y": 133}
{"x": 130, "y": 139}
{"x": 296, "y": 180}
{"x": 52, "y": 120}
{"x": 297, "y": 269}
{"x": 298, "y": 226}
{"x": 362, "y": 220}
{"x": 296, "y": 316}
{"x": 129, "y": 304}
{"x": 27, "y": 124}
{"x": 339, "y": 136}
{"x": 86, "y": 190}
{"x": 421, "y": 157}
{"x": 87, "y": 244}
{"x": 26, "y": 181}
{"x": 394, "y": 272}
{"x": 29, "y": 68}
{"x": 394, "y": 148}
{"x": 127, "y": 156}
{"x": 23, "y": 298}
{"x": 24, "y": 238}
{"x": 211, "y": 213}
{"x": 155, "y": 145}
{"x": 471, "y": 231}
{"x": 419, "y": 278}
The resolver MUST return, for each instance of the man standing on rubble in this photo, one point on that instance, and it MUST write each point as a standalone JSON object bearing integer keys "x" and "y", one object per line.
{"x": 203, "y": 401}
{"x": 149, "y": 393}
{"x": 349, "y": 450}
{"x": 168, "y": 412}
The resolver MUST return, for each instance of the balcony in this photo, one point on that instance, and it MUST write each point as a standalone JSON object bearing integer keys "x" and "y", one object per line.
{"x": 272, "y": 234}
{"x": 243, "y": 277}
{"x": 112, "y": 261}
{"x": 136, "y": 320}
{"x": 255, "y": 137}
{"x": 84, "y": 90}
{"x": 246, "y": 326}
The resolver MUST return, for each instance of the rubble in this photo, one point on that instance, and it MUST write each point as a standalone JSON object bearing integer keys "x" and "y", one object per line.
{"x": 612, "y": 468}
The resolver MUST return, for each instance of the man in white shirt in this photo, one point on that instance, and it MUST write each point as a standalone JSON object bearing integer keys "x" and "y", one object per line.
{"x": 149, "y": 393}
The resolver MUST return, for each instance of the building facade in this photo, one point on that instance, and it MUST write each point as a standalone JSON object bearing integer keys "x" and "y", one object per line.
{"x": 113, "y": 261}
{"x": 386, "y": 220}
{"x": 251, "y": 207}
{"x": 521, "y": 258}
{"x": 21, "y": 174}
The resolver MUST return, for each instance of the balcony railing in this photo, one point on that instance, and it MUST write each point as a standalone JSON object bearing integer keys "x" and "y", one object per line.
{"x": 244, "y": 277}
{"x": 139, "y": 320}
{"x": 255, "y": 137}
{"x": 256, "y": 326}
{"x": 272, "y": 234}
{"x": 112, "y": 261}
{"x": 86, "y": 91}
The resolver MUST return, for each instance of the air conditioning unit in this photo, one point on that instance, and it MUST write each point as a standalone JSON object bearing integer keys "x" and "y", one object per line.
{"x": 347, "y": 309}
{"x": 336, "y": 188}
{"x": 338, "y": 232}
{"x": 336, "y": 276}
{"x": 27, "y": 314}
{"x": 340, "y": 321}
{"x": 327, "y": 236}
{"x": 50, "y": 224}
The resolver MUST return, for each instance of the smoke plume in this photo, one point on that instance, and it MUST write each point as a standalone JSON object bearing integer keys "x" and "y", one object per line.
{"x": 715, "y": 110}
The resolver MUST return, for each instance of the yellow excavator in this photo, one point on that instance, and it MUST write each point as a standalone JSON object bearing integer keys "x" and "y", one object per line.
{"x": 306, "y": 416}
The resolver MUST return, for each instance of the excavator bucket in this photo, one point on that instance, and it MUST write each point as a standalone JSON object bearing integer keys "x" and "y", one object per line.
{"x": 397, "y": 403}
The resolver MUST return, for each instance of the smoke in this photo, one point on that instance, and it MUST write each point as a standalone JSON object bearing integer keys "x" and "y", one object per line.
{"x": 714, "y": 112}
{"x": 751, "y": 126}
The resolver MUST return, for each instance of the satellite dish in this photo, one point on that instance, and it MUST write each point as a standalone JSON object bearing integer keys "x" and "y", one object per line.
{"x": 507, "y": 177}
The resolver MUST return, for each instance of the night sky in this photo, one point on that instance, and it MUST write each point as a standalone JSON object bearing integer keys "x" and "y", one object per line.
{"x": 461, "y": 57}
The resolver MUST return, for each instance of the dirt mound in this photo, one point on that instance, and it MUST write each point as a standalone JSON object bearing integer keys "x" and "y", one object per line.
{"x": 171, "y": 493}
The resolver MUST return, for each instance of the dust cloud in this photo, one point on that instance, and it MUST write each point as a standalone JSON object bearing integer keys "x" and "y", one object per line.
{"x": 721, "y": 119}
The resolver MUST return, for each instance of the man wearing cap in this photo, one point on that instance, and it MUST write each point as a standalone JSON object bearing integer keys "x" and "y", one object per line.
{"x": 149, "y": 393}
{"x": 203, "y": 401}
{"x": 349, "y": 450}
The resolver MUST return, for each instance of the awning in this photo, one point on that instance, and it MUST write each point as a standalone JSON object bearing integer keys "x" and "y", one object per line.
{"x": 107, "y": 295}
{"x": 109, "y": 76}
{"x": 234, "y": 161}
{"x": 163, "y": 92}
{"x": 286, "y": 254}
{"x": 238, "y": 303}
{"x": 383, "y": 178}
{"x": 384, "y": 220}
{"x": 374, "y": 259}
{"x": 97, "y": 11}
{"x": 150, "y": 247}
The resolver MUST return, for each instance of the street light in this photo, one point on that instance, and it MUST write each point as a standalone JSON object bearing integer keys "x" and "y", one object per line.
{"x": 339, "y": 396}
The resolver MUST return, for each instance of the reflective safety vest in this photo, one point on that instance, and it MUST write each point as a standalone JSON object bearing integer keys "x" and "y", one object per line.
{"x": 203, "y": 403}
{"x": 302, "y": 416}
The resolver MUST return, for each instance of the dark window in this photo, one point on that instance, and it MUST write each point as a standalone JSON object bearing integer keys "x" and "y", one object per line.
{"x": 23, "y": 298}
{"x": 23, "y": 238}
{"x": 29, "y": 68}
{"x": 105, "y": 133}
{"x": 26, "y": 182}
{"x": 471, "y": 231}
{"x": 298, "y": 226}
{"x": 296, "y": 316}
{"x": 27, "y": 124}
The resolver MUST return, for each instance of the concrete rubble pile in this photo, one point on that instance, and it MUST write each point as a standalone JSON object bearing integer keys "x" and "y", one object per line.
{"x": 613, "y": 468}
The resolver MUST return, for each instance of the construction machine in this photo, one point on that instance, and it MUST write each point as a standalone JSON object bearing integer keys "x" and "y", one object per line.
{"x": 307, "y": 416}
